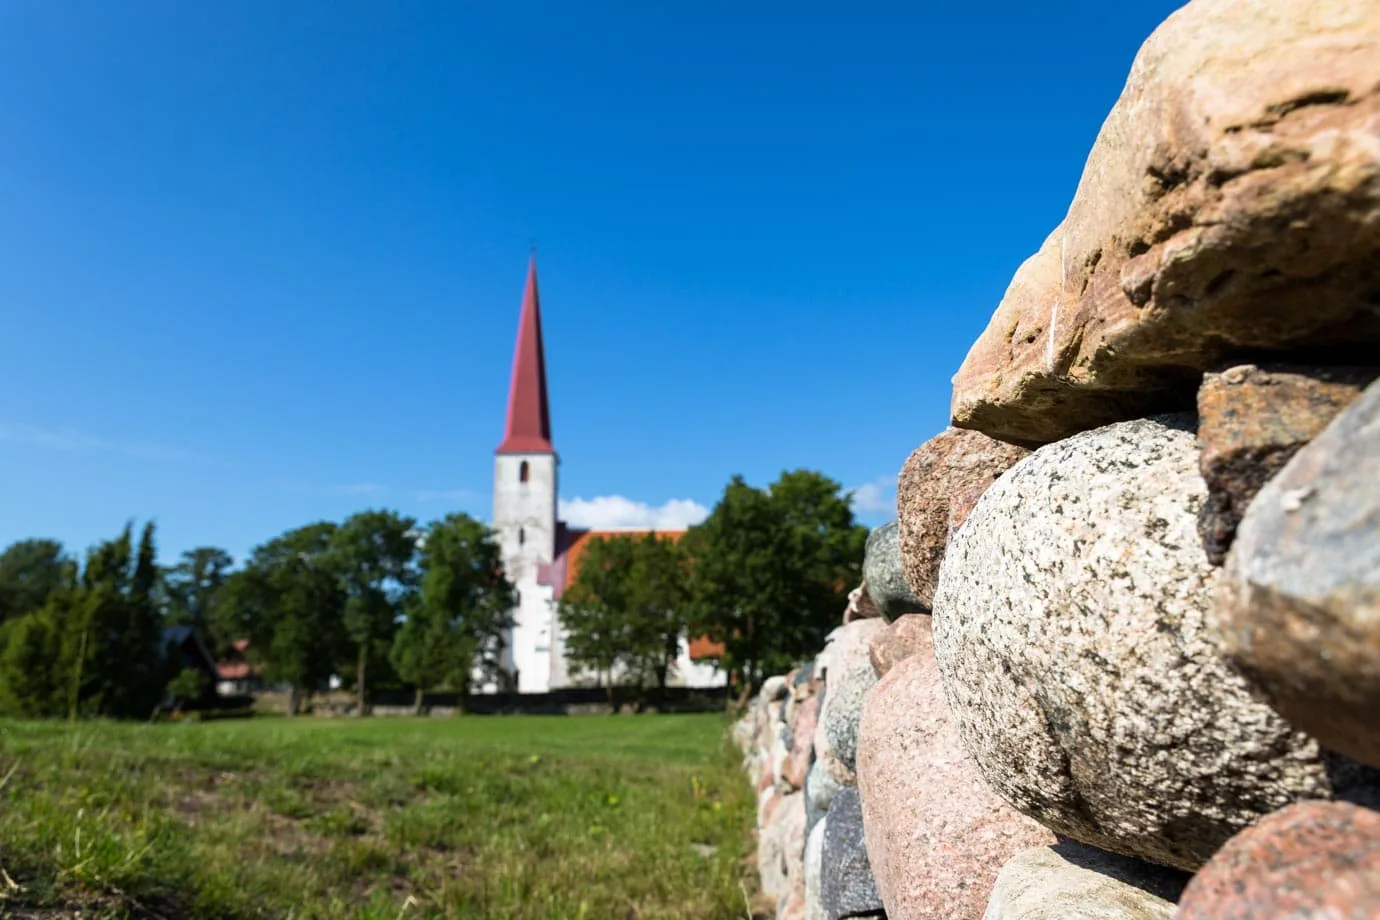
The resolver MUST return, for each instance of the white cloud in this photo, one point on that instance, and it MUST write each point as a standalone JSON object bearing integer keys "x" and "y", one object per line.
{"x": 72, "y": 440}
{"x": 614, "y": 512}
{"x": 875, "y": 498}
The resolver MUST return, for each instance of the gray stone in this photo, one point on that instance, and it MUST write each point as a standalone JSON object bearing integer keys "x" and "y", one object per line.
{"x": 814, "y": 866}
{"x": 1299, "y": 609}
{"x": 1070, "y": 881}
{"x": 850, "y": 676}
{"x": 882, "y": 575}
{"x": 846, "y": 884}
{"x": 820, "y": 789}
{"x": 1071, "y": 630}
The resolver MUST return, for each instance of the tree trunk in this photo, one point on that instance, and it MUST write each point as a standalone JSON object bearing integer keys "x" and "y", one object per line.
{"x": 359, "y": 680}
{"x": 462, "y": 701}
{"x": 293, "y": 702}
{"x": 420, "y": 708}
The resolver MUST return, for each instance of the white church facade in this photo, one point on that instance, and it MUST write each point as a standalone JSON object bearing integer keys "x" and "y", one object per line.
{"x": 540, "y": 553}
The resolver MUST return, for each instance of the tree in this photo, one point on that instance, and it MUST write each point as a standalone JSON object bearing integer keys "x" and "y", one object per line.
{"x": 771, "y": 570}
{"x": 95, "y": 646}
{"x": 289, "y": 601}
{"x": 372, "y": 552}
{"x": 187, "y": 687}
{"x": 32, "y": 665}
{"x": 455, "y": 623}
{"x": 657, "y": 598}
{"x": 626, "y": 608}
{"x": 30, "y": 571}
{"x": 596, "y": 609}
{"x": 191, "y": 588}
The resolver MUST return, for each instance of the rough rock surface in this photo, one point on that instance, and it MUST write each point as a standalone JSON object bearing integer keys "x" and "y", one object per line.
{"x": 802, "y": 740}
{"x": 1230, "y": 202}
{"x": 936, "y": 834}
{"x": 781, "y": 844}
{"x": 849, "y": 676}
{"x": 905, "y": 637}
{"x": 820, "y": 789}
{"x": 780, "y": 755}
{"x": 1071, "y": 629}
{"x": 1251, "y": 420}
{"x": 814, "y": 866}
{"x": 1299, "y": 609}
{"x": 1311, "y": 861}
{"x": 860, "y": 605}
{"x": 774, "y": 688}
{"x": 882, "y": 576}
{"x": 940, "y": 483}
{"x": 846, "y": 885}
{"x": 1070, "y": 881}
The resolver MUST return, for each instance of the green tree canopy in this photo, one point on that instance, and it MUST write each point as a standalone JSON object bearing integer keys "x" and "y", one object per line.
{"x": 626, "y": 608}
{"x": 289, "y": 602}
{"x": 372, "y": 552}
{"x": 596, "y": 609}
{"x": 30, "y": 571}
{"x": 772, "y": 569}
{"x": 455, "y": 624}
{"x": 94, "y": 647}
{"x": 190, "y": 589}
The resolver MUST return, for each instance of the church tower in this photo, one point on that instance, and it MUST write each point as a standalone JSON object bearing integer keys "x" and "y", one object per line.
{"x": 525, "y": 501}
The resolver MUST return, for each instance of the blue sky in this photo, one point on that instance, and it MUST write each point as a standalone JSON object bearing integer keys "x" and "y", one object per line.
{"x": 261, "y": 262}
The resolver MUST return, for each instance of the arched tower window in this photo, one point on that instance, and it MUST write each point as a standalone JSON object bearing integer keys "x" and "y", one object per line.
{"x": 523, "y": 470}
{"x": 522, "y": 535}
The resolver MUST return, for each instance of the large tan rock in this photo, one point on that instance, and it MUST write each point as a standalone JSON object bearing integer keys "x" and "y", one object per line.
{"x": 1299, "y": 609}
{"x": 940, "y": 483}
{"x": 1230, "y": 202}
{"x": 1070, "y": 881}
{"x": 1072, "y": 628}
{"x": 936, "y": 834}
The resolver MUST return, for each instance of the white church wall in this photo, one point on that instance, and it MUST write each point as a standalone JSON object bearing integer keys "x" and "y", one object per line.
{"x": 525, "y": 520}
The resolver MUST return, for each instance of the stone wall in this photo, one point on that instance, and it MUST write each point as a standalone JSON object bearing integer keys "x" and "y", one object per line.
{"x": 1119, "y": 655}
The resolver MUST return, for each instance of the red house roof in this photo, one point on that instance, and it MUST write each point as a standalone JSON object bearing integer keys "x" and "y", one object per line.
{"x": 528, "y": 426}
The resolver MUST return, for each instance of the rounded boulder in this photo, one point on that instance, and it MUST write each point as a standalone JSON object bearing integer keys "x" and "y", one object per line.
{"x": 1071, "y": 630}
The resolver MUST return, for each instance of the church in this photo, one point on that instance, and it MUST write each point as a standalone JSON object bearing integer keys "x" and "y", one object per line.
{"x": 541, "y": 553}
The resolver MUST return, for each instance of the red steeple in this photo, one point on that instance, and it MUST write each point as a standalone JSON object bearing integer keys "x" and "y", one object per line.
{"x": 528, "y": 430}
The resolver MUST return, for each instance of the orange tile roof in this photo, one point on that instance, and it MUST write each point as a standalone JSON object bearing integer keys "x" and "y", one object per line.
{"x": 702, "y": 647}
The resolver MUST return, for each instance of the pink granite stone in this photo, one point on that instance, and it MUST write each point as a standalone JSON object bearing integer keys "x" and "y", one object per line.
{"x": 936, "y": 834}
{"x": 1309, "y": 861}
{"x": 802, "y": 739}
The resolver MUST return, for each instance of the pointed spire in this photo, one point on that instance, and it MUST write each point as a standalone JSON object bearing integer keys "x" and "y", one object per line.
{"x": 528, "y": 429}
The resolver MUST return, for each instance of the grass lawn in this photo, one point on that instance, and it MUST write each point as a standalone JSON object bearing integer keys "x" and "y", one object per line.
{"x": 504, "y": 817}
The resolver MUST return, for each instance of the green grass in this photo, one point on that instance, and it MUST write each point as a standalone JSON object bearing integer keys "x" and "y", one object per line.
{"x": 511, "y": 817}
